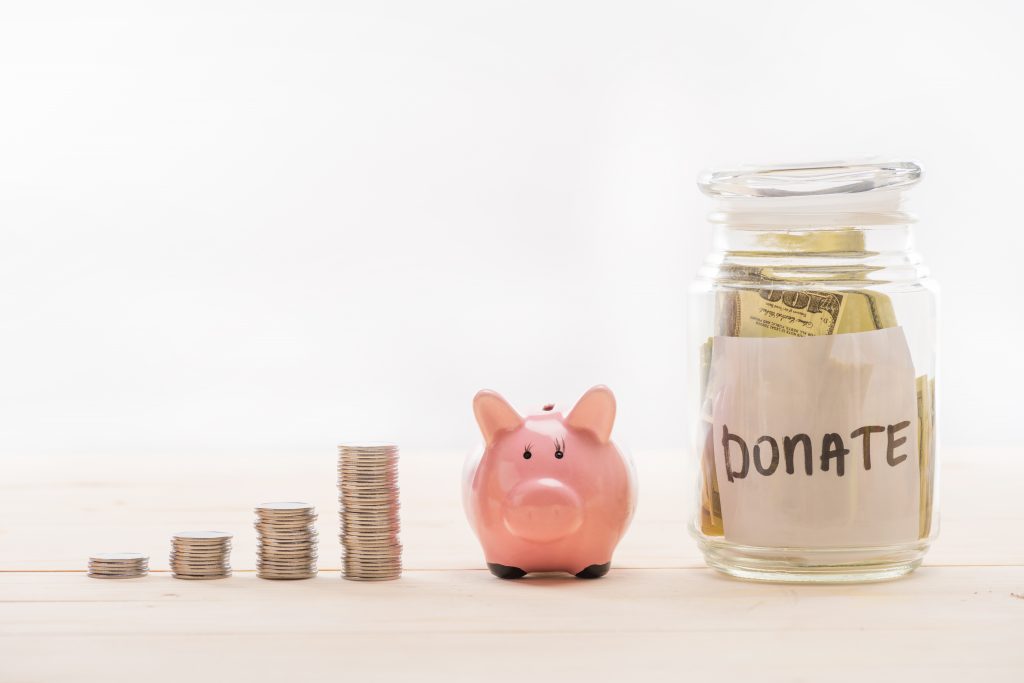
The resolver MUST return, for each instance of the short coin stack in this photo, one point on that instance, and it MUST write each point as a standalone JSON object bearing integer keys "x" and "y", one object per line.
{"x": 286, "y": 541}
{"x": 118, "y": 565}
{"x": 368, "y": 486}
{"x": 201, "y": 555}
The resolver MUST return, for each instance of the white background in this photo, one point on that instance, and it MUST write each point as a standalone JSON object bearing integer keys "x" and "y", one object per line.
{"x": 273, "y": 226}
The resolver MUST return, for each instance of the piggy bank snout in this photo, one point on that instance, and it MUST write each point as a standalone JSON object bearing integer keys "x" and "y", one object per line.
{"x": 542, "y": 510}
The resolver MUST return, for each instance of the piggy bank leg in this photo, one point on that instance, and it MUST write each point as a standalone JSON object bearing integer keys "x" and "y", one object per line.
{"x": 503, "y": 572}
{"x": 595, "y": 571}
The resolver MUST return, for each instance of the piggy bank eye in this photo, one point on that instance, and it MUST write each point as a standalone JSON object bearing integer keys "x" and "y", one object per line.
{"x": 559, "y": 449}
{"x": 559, "y": 454}
{"x": 527, "y": 454}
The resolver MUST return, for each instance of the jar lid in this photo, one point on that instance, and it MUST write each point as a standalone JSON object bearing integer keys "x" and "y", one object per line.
{"x": 809, "y": 180}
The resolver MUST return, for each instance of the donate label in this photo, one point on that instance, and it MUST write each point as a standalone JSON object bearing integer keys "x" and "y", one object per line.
{"x": 815, "y": 439}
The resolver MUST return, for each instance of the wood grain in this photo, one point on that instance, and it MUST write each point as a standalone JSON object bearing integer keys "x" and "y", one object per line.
{"x": 660, "y": 615}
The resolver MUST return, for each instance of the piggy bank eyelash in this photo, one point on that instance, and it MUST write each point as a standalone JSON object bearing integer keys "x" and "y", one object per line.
{"x": 526, "y": 452}
{"x": 559, "y": 449}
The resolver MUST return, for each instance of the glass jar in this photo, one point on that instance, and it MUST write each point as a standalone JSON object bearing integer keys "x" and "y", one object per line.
{"x": 813, "y": 327}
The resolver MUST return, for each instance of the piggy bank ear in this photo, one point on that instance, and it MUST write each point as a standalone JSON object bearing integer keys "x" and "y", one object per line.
{"x": 494, "y": 414}
{"x": 595, "y": 412}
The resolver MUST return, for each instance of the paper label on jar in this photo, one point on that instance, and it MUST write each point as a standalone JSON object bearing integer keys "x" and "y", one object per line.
{"x": 815, "y": 439}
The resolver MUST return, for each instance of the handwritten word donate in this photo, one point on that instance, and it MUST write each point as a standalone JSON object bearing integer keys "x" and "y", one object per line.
{"x": 766, "y": 455}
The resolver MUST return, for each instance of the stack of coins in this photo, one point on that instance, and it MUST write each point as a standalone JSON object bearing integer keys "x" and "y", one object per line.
{"x": 368, "y": 486}
{"x": 201, "y": 555}
{"x": 118, "y": 565}
{"x": 286, "y": 541}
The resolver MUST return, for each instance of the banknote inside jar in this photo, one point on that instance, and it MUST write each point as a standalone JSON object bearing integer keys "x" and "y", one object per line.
{"x": 771, "y": 302}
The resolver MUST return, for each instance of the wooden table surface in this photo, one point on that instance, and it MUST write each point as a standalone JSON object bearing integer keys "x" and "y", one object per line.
{"x": 659, "y": 615}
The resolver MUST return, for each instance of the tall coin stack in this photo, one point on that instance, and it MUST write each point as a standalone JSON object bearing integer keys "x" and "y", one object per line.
{"x": 368, "y": 492}
{"x": 118, "y": 565}
{"x": 201, "y": 555}
{"x": 286, "y": 541}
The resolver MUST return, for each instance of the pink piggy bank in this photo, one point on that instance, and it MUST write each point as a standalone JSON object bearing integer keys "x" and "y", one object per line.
{"x": 549, "y": 493}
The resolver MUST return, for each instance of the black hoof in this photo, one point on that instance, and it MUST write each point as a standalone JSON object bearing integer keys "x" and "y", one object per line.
{"x": 503, "y": 572}
{"x": 594, "y": 571}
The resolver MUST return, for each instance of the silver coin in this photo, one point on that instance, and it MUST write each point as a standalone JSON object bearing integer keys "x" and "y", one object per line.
{"x": 371, "y": 553}
{"x": 286, "y": 577}
{"x": 368, "y": 507}
{"x": 286, "y": 534}
{"x": 287, "y": 566}
{"x": 286, "y": 549}
{"x": 356, "y": 540}
{"x": 369, "y": 500}
{"x": 363, "y": 560}
{"x": 355, "y": 546}
{"x": 286, "y": 561}
{"x": 121, "y": 563}
{"x": 191, "y": 552}
{"x": 203, "y": 535}
{"x": 375, "y": 517}
{"x": 371, "y": 568}
{"x": 115, "y": 576}
{"x": 367, "y": 479}
{"x": 112, "y": 569}
{"x": 372, "y": 467}
{"x": 286, "y": 555}
{"x": 371, "y": 516}
{"x": 356, "y": 514}
{"x": 286, "y": 545}
{"x": 291, "y": 514}
{"x": 303, "y": 526}
{"x": 382, "y": 527}
{"x": 119, "y": 557}
{"x": 364, "y": 573}
{"x": 189, "y": 577}
{"x": 200, "y": 566}
{"x": 292, "y": 523}
{"x": 283, "y": 506}
{"x": 194, "y": 552}
{"x": 367, "y": 476}
{"x": 358, "y": 563}
{"x": 368, "y": 568}
{"x": 286, "y": 519}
